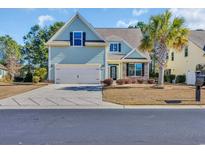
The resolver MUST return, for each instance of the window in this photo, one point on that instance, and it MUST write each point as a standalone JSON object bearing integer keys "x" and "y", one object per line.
{"x": 77, "y": 38}
{"x": 115, "y": 47}
{"x": 131, "y": 70}
{"x": 172, "y": 56}
{"x": 135, "y": 69}
{"x": 138, "y": 68}
{"x": 186, "y": 51}
{"x": 167, "y": 56}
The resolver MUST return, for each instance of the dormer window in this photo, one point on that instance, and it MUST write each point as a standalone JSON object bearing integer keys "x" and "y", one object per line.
{"x": 115, "y": 47}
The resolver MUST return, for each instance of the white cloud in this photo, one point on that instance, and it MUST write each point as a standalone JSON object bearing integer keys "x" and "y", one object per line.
{"x": 122, "y": 23}
{"x": 195, "y": 18}
{"x": 138, "y": 12}
{"x": 43, "y": 19}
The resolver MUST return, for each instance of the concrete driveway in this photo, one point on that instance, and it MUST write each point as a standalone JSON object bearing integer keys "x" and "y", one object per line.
{"x": 58, "y": 95}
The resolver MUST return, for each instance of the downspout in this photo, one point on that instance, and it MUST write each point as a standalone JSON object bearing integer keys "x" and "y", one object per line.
{"x": 49, "y": 69}
{"x": 106, "y": 62}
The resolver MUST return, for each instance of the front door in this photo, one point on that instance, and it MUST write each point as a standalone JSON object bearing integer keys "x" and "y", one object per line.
{"x": 113, "y": 72}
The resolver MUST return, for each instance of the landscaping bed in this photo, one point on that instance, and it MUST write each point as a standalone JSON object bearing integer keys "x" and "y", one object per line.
{"x": 10, "y": 89}
{"x": 146, "y": 94}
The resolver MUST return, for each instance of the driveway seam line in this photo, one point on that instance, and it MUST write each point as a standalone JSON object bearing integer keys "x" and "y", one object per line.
{"x": 51, "y": 101}
{"x": 16, "y": 101}
{"x": 33, "y": 101}
{"x": 86, "y": 100}
{"x": 69, "y": 101}
{"x": 90, "y": 101}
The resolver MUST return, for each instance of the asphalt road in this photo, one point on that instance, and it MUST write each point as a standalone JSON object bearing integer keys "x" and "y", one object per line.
{"x": 102, "y": 126}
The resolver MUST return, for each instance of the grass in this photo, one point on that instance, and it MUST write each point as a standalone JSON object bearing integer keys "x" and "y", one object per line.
{"x": 11, "y": 89}
{"x": 144, "y": 94}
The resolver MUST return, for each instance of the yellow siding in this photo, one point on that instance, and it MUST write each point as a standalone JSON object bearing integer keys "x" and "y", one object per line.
{"x": 181, "y": 64}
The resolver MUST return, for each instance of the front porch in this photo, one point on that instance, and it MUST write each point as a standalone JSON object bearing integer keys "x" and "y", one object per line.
{"x": 121, "y": 70}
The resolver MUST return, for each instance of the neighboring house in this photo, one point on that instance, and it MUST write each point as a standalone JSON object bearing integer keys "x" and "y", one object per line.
{"x": 3, "y": 71}
{"x": 80, "y": 53}
{"x": 185, "y": 61}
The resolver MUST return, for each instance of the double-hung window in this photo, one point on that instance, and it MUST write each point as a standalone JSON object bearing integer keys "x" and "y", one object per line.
{"x": 77, "y": 39}
{"x": 186, "y": 51}
{"x": 135, "y": 69}
{"x": 115, "y": 47}
{"x": 172, "y": 56}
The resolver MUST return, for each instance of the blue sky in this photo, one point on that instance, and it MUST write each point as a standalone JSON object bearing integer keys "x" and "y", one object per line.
{"x": 17, "y": 22}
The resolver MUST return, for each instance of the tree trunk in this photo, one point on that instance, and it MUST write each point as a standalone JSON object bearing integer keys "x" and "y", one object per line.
{"x": 161, "y": 52}
{"x": 161, "y": 76}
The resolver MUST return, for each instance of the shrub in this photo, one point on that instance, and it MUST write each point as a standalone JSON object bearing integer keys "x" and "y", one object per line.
{"x": 6, "y": 78}
{"x": 36, "y": 79}
{"x": 128, "y": 81}
{"x": 140, "y": 81}
{"x": 29, "y": 77}
{"x": 18, "y": 79}
{"x": 41, "y": 73}
{"x": 172, "y": 77}
{"x": 181, "y": 79}
{"x": 133, "y": 80}
{"x": 120, "y": 81}
{"x": 108, "y": 82}
{"x": 169, "y": 78}
{"x": 166, "y": 78}
{"x": 153, "y": 75}
{"x": 151, "y": 81}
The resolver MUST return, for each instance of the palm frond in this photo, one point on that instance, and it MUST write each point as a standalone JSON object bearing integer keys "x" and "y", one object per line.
{"x": 146, "y": 44}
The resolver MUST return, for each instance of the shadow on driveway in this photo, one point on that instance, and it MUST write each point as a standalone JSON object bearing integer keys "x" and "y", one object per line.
{"x": 82, "y": 88}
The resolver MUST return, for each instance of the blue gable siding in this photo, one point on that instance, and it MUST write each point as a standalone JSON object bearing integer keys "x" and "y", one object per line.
{"x": 77, "y": 25}
{"x": 124, "y": 48}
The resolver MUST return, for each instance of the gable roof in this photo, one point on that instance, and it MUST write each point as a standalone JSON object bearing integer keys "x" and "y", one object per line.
{"x": 77, "y": 15}
{"x": 198, "y": 38}
{"x": 132, "y": 35}
{"x": 3, "y": 67}
{"x": 134, "y": 54}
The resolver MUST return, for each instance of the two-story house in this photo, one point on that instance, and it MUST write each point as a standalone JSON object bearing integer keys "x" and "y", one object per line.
{"x": 80, "y": 53}
{"x": 184, "y": 62}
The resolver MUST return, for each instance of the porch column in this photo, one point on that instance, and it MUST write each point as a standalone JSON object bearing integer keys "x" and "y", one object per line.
{"x": 124, "y": 70}
{"x": 146, "y": 70}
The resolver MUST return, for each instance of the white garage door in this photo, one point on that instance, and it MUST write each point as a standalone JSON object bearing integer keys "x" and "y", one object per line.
{"x": 65, "y": 73}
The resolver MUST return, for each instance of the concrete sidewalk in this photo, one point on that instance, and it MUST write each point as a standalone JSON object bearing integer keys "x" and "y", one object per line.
{"x": 107, "y": 105}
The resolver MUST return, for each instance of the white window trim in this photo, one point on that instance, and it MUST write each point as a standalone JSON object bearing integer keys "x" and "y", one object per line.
{"x": 135, "y": 71}
{"x": 81, "y": 39}
{"x": 117, "y": 47}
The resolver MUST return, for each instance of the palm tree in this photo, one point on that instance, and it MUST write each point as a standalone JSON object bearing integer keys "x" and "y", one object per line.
{"x": 163, "y": 34}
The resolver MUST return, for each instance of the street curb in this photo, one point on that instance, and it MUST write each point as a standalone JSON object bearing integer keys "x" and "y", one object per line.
{"x": 108, "y": 107}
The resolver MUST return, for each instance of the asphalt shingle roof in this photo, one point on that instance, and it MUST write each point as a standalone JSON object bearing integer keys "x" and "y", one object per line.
{"x": 131, "y": 35}
{"x": 198, "y": 38}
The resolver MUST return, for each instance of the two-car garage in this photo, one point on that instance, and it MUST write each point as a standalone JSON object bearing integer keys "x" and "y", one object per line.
{"x": 77, "y": 73}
